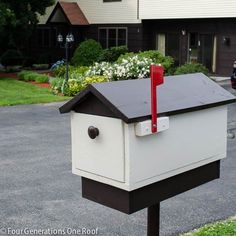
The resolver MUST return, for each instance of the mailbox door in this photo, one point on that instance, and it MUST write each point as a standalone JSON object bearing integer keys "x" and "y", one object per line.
{"x": 102, "y": 156}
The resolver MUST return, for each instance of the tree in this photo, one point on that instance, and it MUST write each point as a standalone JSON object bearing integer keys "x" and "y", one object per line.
{"x": 18, "y": 19}
{"x": 6, "y": 15}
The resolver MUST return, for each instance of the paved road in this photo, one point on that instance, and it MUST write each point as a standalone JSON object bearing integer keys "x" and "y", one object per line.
{"x": 38, "y": 191}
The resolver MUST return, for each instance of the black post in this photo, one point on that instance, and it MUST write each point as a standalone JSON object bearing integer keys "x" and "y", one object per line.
{"x": 153, "y": 220}
{"x": 67, "y": 67}
{"x": 67, "y": 62}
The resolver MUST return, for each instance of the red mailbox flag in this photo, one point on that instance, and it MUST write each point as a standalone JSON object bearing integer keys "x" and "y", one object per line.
{"x": 156, "y": 74}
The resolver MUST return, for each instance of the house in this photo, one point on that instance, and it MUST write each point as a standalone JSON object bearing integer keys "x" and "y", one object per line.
{"x": 187, "y": 30}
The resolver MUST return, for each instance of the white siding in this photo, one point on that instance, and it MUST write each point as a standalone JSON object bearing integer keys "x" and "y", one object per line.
{"x": 43, "y": 18}
{"x": 99, "y": 12}
{"x": 176, "y": 9}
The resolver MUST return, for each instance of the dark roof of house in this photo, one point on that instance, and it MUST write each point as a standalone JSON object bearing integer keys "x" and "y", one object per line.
{"x": 130, "y": 100}
{"x": 72, "y": 13}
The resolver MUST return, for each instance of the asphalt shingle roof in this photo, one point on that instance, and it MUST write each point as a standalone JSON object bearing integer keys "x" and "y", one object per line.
{"x": 72, "y": 12}
{"x": 130, "y": 100}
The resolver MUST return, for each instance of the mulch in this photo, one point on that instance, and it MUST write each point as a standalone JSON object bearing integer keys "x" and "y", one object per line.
{"x": 8, "y": 75}
{"x": 41, "y": 85}
{"x": 14, "y": 76}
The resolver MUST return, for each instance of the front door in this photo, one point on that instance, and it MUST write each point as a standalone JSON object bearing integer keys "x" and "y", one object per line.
{"x": 201, "y": 49}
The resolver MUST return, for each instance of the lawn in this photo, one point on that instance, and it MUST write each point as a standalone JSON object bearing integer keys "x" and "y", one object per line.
{"x": 223, "y": 228}
{"x": 14, "y": 92}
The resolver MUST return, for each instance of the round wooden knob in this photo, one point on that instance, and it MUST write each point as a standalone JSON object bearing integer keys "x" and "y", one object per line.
{"x": 93, "y": 132}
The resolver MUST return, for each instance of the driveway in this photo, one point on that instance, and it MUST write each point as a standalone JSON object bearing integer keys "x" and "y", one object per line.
{"x": 38, "y": 191}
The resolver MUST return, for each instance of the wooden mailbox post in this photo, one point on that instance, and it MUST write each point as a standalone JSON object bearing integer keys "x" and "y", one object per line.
{"x": 124, "y": 164}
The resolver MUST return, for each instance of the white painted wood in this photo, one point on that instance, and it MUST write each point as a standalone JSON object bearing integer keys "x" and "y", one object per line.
{"x": 214, "y": 54}
{"x": 145, "y": 127}
{"x": 193, "y": 137}
{"x": 103, "y": 155}
{"x": 99, "y": 12}
{"x": 176, "y": 9}
{"x": 128, "y": 161}
{"x": 129, "y": 186}
{"x": 161, "y": 43}
{"x": 128, "y": 11}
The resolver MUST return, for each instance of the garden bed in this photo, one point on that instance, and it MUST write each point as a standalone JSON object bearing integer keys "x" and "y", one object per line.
{"x": 16, "y": 77}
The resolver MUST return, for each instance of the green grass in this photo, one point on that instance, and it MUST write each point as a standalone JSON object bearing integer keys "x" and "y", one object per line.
{"x": 14, "y": 92}
{"x": 223, "y": 228}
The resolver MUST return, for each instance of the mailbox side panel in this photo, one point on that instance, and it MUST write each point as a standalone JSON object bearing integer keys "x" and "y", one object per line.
{"x": 102, "y": 157}
{"x": 192, "y": 140}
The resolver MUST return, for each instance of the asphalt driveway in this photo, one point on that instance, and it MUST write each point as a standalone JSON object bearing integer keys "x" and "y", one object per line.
{"x": 38, "y": 191}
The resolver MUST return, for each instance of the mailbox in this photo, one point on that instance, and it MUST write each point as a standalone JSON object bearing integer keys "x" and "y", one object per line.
{"x": 115, "y": 150}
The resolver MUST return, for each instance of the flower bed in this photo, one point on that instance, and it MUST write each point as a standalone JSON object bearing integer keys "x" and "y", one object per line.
{"x": 128, "y": 66}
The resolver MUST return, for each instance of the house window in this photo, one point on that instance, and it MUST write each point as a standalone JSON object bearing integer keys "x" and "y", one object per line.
{"x": 112, "y": 37}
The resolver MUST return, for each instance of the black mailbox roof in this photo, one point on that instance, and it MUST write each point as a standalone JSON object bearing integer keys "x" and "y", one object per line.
{"x": 130, "y": 100}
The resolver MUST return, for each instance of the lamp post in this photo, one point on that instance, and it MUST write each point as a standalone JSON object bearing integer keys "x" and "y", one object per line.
{"x": 68, "y": 43}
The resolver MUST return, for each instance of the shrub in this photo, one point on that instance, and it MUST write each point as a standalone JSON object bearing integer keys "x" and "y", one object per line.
{"x": 26, "y": 75}
{"x": 87, "y": 53}
{"x": 78, "y": 71}
{"x": 155, "y": 56}
{"x": 76, "y": 75}
{"x": 126, "y": 56}
{"x": 22, "y": 74}
{"x": 56, "y": 85}
{"x": 113, "y": 53}
{"x": 93, "y": 79}
{"x": 134, "y": 67}
{"x": 191, "y": 68}
{"x": 30, "y": 77}
{"x": 74, "y": 86}
{"x": 102, "y": 68}
{"x": 11, "y": 58}
{"x": 41, "y": 78}
{"x": 60, "y": 71}
{"x": 33, "y": 76}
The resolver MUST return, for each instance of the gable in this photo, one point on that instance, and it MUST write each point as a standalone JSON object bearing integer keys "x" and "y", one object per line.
{"x": 92, "y": 105}
{"x": 58, "y": 17}
{"x": 69, "y": 12}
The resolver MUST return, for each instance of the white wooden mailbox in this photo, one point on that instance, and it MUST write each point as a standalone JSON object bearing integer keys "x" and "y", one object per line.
{"x": 112, "y": 142}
